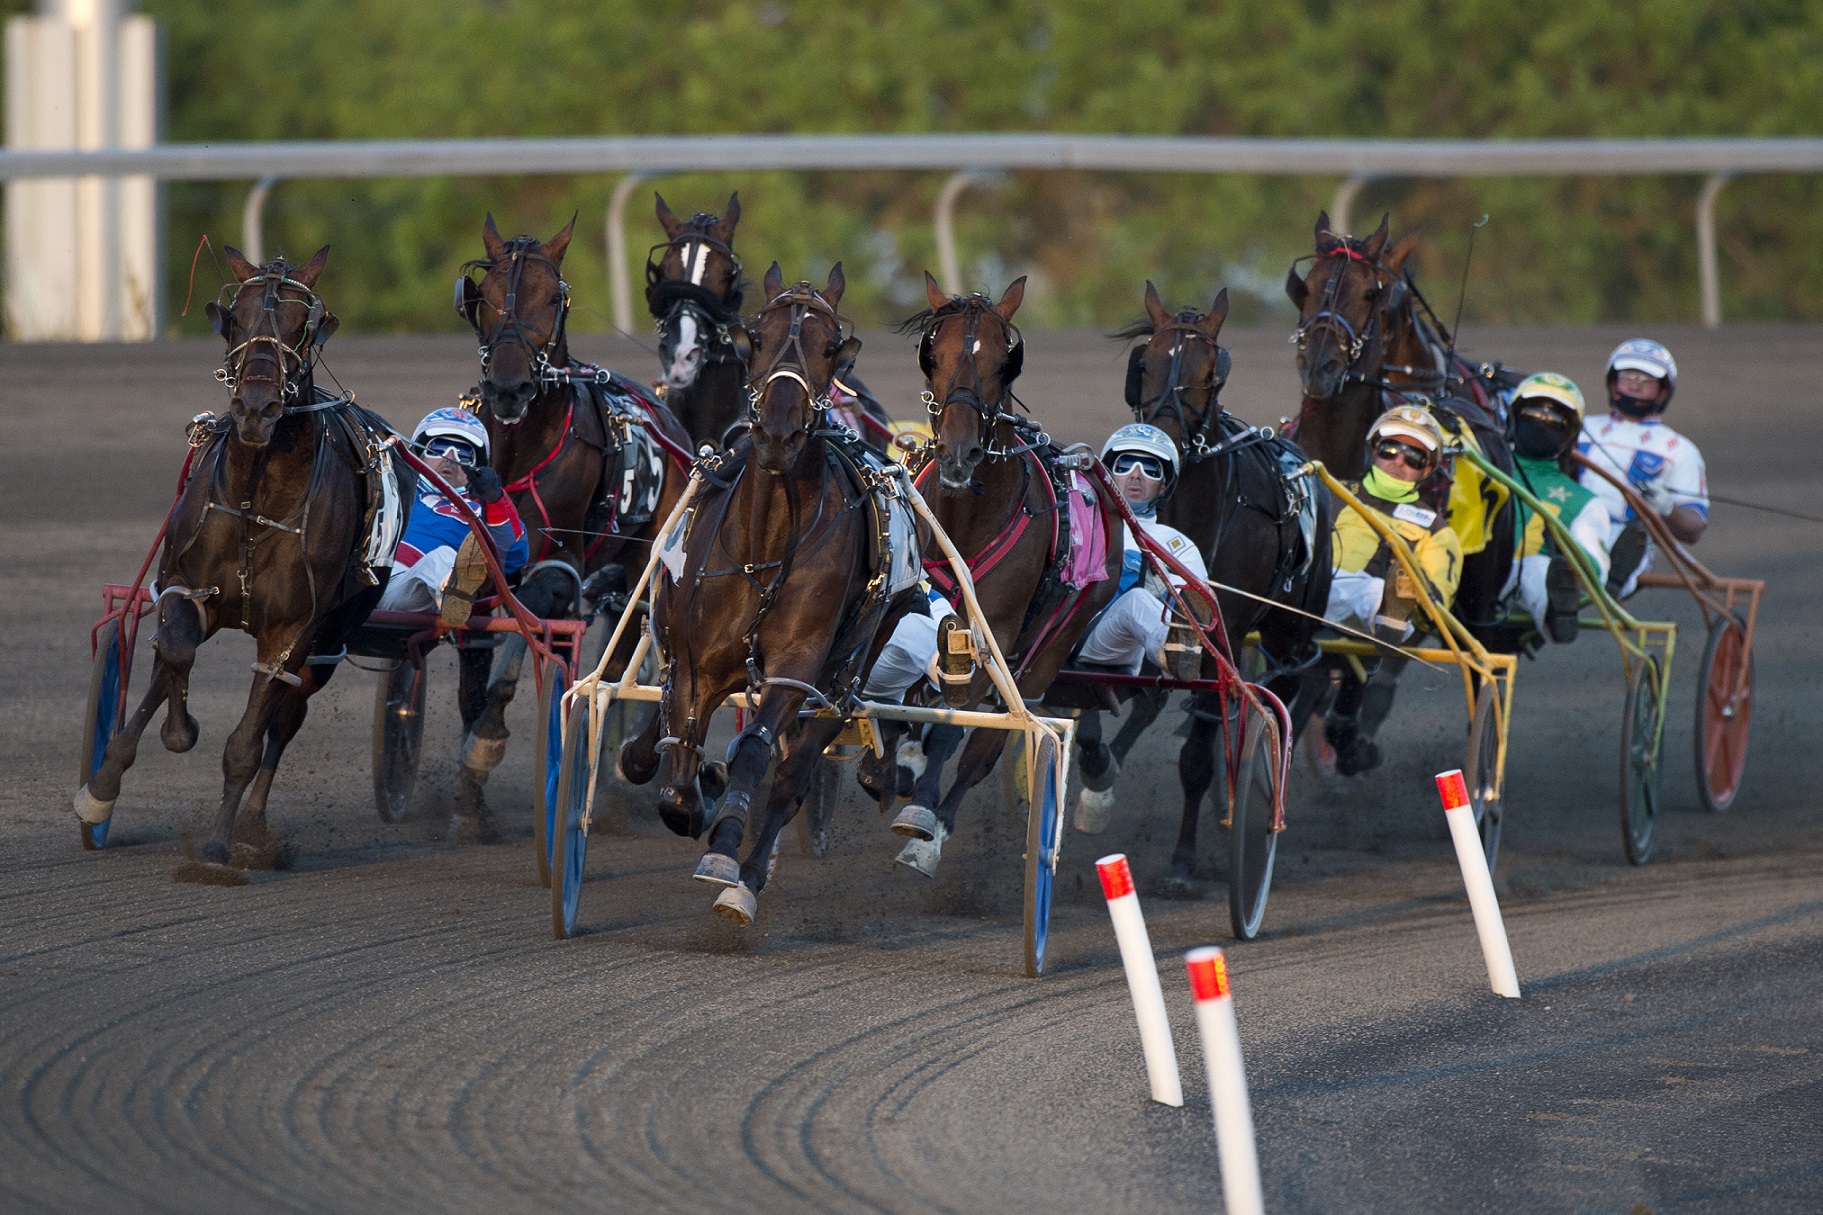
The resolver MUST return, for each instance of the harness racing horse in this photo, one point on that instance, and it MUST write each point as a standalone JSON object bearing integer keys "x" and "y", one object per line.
{"x": 776, "y": 583}
{"x": 1264, "y": 535}
{"x": 273, "y": 534}
{"x": 990, "y": 476}
{"x": 693, "y": 290}
{"x": 593, "y": 466}
{"x": 1363, "y": 345}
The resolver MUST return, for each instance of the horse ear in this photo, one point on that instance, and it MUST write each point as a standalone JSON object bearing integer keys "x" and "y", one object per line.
{"x": 558, "y": 245}
{"x": 1211, "y": 324}
{"x": 238, "y": 265}
{"x": 773, "y": 283}
{"x": 723, "y": 228}
{"x": 313, "y": 269}
{"x": 1295, "y": 288}
{"x": 667, "y": 219}
{"x": 1376, "y": 243}
{"x": 1010, "y": 299}
{"x": 1396, "y": 259}
{"x": 1324, "y": 237}
{"x": 490, "y": 238}
{"x": 838, "y": 283}
{"x": 933, "y": 293}
{"x": 1155, "y": 308}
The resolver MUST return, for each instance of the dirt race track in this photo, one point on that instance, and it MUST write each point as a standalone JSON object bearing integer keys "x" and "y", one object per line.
{"x": 388, "y": 1026}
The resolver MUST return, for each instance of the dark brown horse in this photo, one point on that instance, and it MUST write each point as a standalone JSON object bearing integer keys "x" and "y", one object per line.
{"x": 1366, "y": 340}
{"x": 778, "y": 593}
{"x": 994, "y": 482}
{"x": 693, "y": 290}
{"x": 1264, "y": 537}
{"x": 268, "y": 537}
{"x": 584, "y": 455}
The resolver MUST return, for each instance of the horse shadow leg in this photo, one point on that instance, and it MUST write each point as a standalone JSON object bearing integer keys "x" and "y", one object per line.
{"x": 749, "y": 755}
{"x": 1196, "y": 769}
{"x": 180, "y": 631}
{"x": 918, "y": 821}
{"x": 252, "y": 844}
{"x": 790, "y": 782}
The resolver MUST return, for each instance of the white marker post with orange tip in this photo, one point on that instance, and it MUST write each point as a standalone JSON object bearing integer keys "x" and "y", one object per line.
{"x": 1227, "y": 1081}
{"x": 1474, "y": 862}
{"x": 1142, "y": 978}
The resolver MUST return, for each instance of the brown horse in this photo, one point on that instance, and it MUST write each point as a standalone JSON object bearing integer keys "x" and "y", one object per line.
{"x": 995, "y": 484}
{"x": 779, "y": 592}
{"x": 268, "y": 537}
{"x": 1366, "y": 340}
{"x": 1260, "y": 532}
{"x": 693, "y": 290}
{"x": 583, "y": 452}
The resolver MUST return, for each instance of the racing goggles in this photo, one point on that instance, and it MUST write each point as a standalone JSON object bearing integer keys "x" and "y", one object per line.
{"x": 1149, "y": 467}
{"x": 457, "y": 450}
{"x": 1391, "y": 449}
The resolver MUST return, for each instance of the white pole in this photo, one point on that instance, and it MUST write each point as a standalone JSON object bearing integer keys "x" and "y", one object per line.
{"x": 1709, "y": 277}
{"x": 1142, "y": 978}
{"x": 620, "y": 291}
{"x": 944, "y": 221}
{"x": 1474, "y": 863}
{"x": 1227, "y": 1082}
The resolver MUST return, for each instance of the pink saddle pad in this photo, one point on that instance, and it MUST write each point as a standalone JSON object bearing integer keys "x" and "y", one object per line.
{"x": 1088, "y": 559}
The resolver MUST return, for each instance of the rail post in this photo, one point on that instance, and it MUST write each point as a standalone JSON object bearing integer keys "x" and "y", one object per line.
{"x": 619, "y": 288}
{"x": 1707, "y": 270}
{"x": 1344, "y": 201}
{"x": 253, "y": 219}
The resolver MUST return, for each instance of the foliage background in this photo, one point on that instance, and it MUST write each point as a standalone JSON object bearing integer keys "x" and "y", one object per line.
{"x": 1562, "y": 250}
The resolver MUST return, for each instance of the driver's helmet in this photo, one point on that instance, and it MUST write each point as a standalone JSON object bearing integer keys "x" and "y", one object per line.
{"x": 1142, "y": 440}
{"x": 1644, "y": 354}
{"x": 1560, "y": 391}
{"x": 1411, "y": 424}
{"x": 452, "y": 424}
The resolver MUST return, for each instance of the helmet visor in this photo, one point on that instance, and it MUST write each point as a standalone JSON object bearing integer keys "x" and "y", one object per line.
{"x": 1149, "y": 467}
{"x": 459, "y": 450}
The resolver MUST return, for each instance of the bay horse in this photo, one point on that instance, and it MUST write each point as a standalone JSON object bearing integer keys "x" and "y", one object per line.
{"x": 995, "y": 483}
{"x": 694, "y": 290}
{"x": 270, "y": 536}
{"x": 593, "y": 465}
{"x": 1366, "y": 340}
{"x": 1264, "y": 537}
{"x": 780, "y": 590}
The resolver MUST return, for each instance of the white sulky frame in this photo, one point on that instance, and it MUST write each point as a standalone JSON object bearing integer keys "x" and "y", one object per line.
{"x": 595, "y": 693}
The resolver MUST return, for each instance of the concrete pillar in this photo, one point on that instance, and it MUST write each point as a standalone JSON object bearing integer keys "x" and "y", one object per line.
{"x": 1707, "y": 270}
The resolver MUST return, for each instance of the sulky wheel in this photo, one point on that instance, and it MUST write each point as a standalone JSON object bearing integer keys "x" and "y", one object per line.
{"x": 571, "y": 841}
{"x": 1481, "y": 772}
{"x": 398, "y": 737}
{"x": 100, "y": 722}
{"x": 550, "y": 763}
{"x": 816, "y": 817}
{"x": 1639, "y": 746}
{"x": 1041, "y": 856}
{"x": 1252, "y": 843}
{"x": 1723, "y": 718}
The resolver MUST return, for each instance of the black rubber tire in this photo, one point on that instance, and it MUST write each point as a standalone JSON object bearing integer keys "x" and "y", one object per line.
{"x": 1722, "y": 728}
{"x": 1040, "y": 861}
{"x": 1480, "y": 772}
{"x": 398, "y": 738}
{"x": 1639, "y": 763}
{"x": 816, "y": 817}
{"x": 1252, "y": 843}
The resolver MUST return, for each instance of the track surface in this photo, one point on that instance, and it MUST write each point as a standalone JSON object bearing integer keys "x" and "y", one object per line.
{"x": 387, "y": 1025}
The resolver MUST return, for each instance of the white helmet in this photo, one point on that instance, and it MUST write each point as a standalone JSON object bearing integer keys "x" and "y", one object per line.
{"x": 1644, "y": 354}
{"x": 1145, "y": 440}
{"x": 455, "y": 424}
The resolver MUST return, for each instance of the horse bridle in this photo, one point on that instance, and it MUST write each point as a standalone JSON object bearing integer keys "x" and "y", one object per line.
{"x": 803, "y": 299}
{"x": 1354, "y": 342}
{"x": 1169, "y": 400}
{"x": 669, "y": 298}
{"x": 972, "y": 308}
{"x": 519, "y": 252}
{"x": 270, "y": 347}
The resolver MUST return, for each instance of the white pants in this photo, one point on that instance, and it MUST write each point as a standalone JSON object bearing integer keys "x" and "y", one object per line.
{"x": 907, "y": 657}
{"x": 419, "y": 587}
{"x": 1129, "y": 630}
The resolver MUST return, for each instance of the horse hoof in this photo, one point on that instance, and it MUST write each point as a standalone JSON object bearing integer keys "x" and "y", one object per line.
{"x": 718, "y": 869}
{"x": 472, "y": 829}
{"x": 923, "y": 855}
{"x": 737, "y": 903}
{"x": 91, "y": 809}
{"x": 482, "y": 754}
{"x": 180, "y": 735}
{"x": 1361, "y": 755}
{"x": 635, "y": 766}
{"x": 712, "y": 779}
{"x": 209, "y": 873}
{"x": 1103, "y": 782}
{"x": 917, "y": 822}
{"x": 256, "y": 854}
{"x": 1094, "y": 811}
{"x": 683, "y": 817}
{"x": 1179, "y": 886}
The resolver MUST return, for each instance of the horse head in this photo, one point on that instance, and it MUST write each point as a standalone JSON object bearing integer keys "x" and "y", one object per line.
{"x": 797, "y": 346}
{"x": 693, "y": 287}
{"x": 1174, "y": 376}
{"x": 517, "y": 311}
{"x": 970, "y": 353}
{"x": 1352, "y": 295}
{"x": 273, "y": 324}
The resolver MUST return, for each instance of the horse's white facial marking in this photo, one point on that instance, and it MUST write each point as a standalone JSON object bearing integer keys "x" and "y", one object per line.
{"x": 977, "y": 349}
{"x": 687, "y": 358}
{"x": 698, "y": 262}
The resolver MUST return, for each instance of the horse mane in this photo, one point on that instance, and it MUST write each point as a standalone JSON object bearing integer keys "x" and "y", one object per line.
{"x": 921, "y": 322}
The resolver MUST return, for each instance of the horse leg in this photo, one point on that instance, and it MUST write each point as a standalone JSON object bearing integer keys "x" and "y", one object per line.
{"x": 790, "y": 783}
{"x": 979, "y": 756}
{"x": 750, "y": 754}
{"x": 918, "y": 820}
{"x": 253, "y": 845}
{"x": 241, "y": 758}
{"x": 1196, "y": 772}
{"x": 683, "y": 716}
{"x": 486, "y": 689}
{"x": 1099, "y": 766}
{"x": 180, "y": 631}
{"x": 878, "y": 774}
{"x": 1376, "y": 705}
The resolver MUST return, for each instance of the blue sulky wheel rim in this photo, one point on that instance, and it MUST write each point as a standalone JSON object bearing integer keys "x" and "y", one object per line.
{"x": 575, "y": 842}
{"x": 103, "y": 728}
{"x": 1047, "y": 860}
{"x": 553, "y": 764}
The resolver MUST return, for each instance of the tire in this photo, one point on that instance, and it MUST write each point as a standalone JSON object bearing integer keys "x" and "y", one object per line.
{"x": 100, "y": 722}
{"x": 571, "y": 842}
{"x": 1252, "y": 843}
{"x": 544, "y": 800}
{"x": 1041, "y": 858}
{"x": 1722, "y": 727}
{"x": 816, "y": 817}
{"x": 398, "y": 738}
{"x": 1481, "y": 772}
{"x": 1639, "y": 764}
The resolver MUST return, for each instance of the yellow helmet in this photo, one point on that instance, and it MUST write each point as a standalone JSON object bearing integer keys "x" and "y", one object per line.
{"x": 1412, "y": 423}
{"x": 1549, "y": 386}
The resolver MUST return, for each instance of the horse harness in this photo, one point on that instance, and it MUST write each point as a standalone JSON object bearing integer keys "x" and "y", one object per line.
{"x": 292, "y": 366}
{"x": 717, "y": 314}
{"x": 520, "y": 251}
